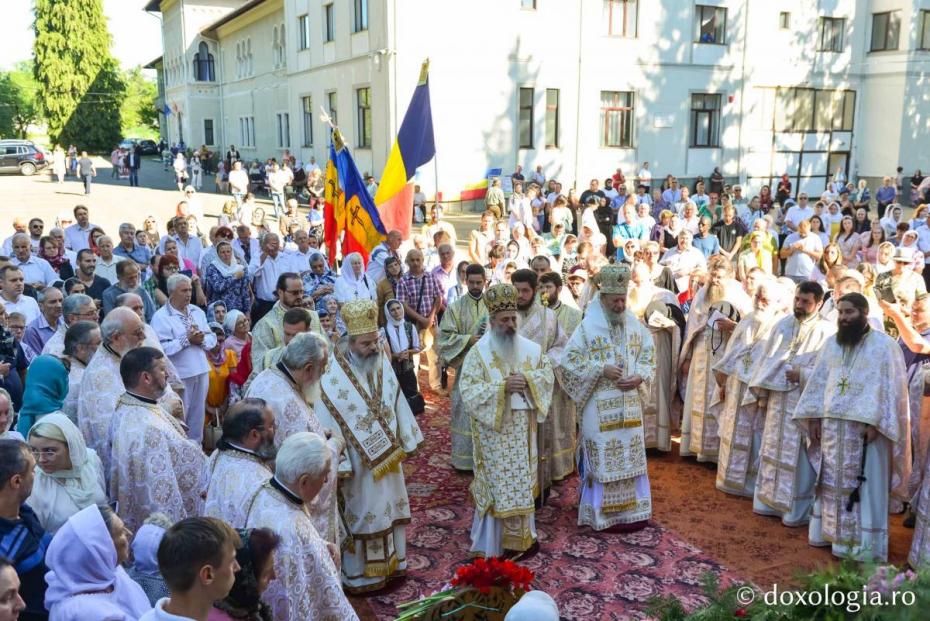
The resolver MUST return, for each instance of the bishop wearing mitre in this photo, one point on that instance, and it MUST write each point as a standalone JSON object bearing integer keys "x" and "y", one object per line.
{"x": 608, "y": 369}
{"x": 506, "y": 388}
{"x": 361, "y": 402}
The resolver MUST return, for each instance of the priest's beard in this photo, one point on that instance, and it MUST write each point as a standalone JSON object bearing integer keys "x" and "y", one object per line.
{"x": 365, "y": 364}
{"x": 800, "y": 315}
{"x": 613, "y": 318}
{"x": 715, "y": 292}
{"x": 851, "y": 332}
{"x": 312, "y": 392}
{"x": 504, "y": 341}
{"x": 266, "y": 449}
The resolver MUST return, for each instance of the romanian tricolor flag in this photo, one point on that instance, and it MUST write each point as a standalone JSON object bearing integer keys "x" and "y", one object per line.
{"x": 333, "y": 207}
{"x": 359, "y": 216}
{"x": 413, "y": 148}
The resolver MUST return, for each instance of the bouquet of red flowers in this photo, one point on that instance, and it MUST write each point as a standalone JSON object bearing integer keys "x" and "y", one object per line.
{"x": 482, "y": 574}
{"x": 471, "y": 587}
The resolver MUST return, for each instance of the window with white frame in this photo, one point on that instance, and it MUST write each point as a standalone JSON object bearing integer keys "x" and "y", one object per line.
{"x": 250, "y": 63}
{"x": 332, "y": 105}
{"x": 209, "y": 138}
{"x": 329, "y": 23}
{"x": 284, "y": 130}
{"x": 247, "y": 131}
{"x": 831, "y": 34}
{"x": 886, "y": 31}
{"x": 552, "y": 118}
{"x": 616, "y": 119}
{"x": 528, "y": 4}
{"x": 924, "y": 42}
{"x": 784, "y": 20}
{"x": 203, "y": 64}
{"x": 306, "y": 106}
{"x": 525, "y": 118}
{"x": 363, "y": 100}
{"x": 360, "y": 15}
{"x": 710, "y": 24}
{"x": 620, "y": 16}
{"x": 303, "y": 32}
{"x": 705, "y": 120}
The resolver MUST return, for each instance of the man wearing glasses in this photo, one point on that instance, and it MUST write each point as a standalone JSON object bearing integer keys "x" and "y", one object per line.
{"x": 76, "y": 307}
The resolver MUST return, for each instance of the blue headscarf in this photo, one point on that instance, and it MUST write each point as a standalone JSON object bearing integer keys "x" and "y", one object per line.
{"x": 46, "y": 389}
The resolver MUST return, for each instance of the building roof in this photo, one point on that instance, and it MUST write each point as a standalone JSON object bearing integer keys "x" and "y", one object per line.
{"x": 245, "y": 8}
{"x": 153, "y": 64}
{"x": 153, "y": 5}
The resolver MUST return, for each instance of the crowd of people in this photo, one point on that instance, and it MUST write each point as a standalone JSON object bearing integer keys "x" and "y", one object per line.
{"x": 212, "y": 424}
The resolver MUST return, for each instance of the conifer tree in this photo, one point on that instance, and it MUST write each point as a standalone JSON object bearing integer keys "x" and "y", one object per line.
{"x": 80, "y": 87}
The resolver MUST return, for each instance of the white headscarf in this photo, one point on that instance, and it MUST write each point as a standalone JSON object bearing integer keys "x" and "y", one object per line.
{"x": 226, "y": 270}
{"x": 83, "y": 483}
{"x": 534, "y": 606}
{"x": 82, "y": 560}
{"x": 348, "y": 272}
{"x": 395, "y": 330}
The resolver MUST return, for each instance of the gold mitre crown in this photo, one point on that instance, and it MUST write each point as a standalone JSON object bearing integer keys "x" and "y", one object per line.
{"x": 360, "y": 317}
{"x": 499, "y": 298}
{"x": 614, "y": 278}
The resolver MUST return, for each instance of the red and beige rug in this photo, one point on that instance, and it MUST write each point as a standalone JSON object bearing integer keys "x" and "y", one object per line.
{"x": 591, "y": 575}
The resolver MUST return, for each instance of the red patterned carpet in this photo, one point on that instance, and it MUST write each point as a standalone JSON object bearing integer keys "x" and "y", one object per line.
{"x": 591, "y": 575}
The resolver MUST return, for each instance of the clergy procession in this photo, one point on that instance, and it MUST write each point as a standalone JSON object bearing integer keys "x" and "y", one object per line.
{"x": 244, "y": 424}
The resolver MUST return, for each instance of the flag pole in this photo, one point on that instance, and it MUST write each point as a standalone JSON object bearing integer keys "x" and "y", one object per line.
{"x": 424, "y": 78}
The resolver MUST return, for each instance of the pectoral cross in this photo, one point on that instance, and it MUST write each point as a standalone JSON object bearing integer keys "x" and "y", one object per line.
{"x": 843, "y": 385}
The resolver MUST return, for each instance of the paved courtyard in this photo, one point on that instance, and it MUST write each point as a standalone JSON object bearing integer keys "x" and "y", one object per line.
{"x": 112, "y": 201}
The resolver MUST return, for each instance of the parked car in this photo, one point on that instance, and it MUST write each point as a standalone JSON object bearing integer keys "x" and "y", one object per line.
{"x": 149, "y": 147}
{"x": 128, "y": 143}
{"x": 21, "y": 156}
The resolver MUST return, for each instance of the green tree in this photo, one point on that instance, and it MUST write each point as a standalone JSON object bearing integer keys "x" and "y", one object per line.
{"x": 18, "y": 108}
{"x": 82, "y": 89}
{"x": 139, "y": 116}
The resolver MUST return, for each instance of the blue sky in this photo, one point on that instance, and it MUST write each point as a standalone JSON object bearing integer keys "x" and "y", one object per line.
{"x": 136, "y": 34}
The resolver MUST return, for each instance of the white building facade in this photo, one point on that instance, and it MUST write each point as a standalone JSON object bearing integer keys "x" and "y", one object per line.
{"x": 580, "y": 87}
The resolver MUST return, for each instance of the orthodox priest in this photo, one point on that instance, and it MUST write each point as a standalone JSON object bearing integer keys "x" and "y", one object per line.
{"x": 240, "y": 464}
{"x": 859, "y": 432}
{"x": 658, "y": 308}
{"x": 306, "y": 574}
{"x": 716, "y": 308}
{"x": 556, "y": 433}
{"x": 463, "y": 323}
{"x": 155, "y": 467}
{"x": 121, "y": 331}
{"x": 289, "y": 388}
{"x": 608, "y": 367}
{"x": 506, "y": 391}
{"x": 362, "y": 403}
{"x": 740, "y": 421}
{"x": 785, "y": 482}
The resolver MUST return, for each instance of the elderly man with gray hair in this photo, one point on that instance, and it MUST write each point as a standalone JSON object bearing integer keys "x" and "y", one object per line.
{"x": 76, "y": 307}
{"x": 80, "y": 343}
{"x": 185, "y": 337}
{"x": 306, "y": 583}
{"x": 291, "y": 387}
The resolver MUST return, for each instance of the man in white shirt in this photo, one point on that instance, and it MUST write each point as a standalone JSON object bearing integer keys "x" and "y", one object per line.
{"x": 77, "y": 236}
{"x": 37, "y": 271}
{"x": 12, "y": 295}
{"x": 189, "y": 246}
{"x": 802, "y": 251}
{"x": 185, "y": 336}
{"x": 645, "y": 177}
{"x": 301, "y": 252}
{"x": 683, "y": 259}
{"x": 644, "y": 217}
{"x": 312, "y": 166}
{"x": 277, "y": 179}
{"x": 238, "y": 182}
{"x": 264, "y": 270}
{"x": 539, "y": 177}
{"x": 106, "y": 262}
{"x": 801, "y": 211}
{"x": 19, "y": 226}
{"x": 387, "y": 248}
{"x": 419, "y": 205}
